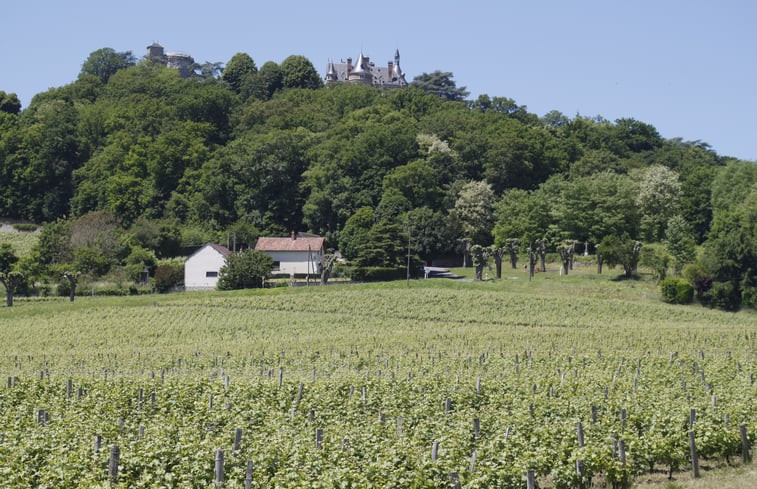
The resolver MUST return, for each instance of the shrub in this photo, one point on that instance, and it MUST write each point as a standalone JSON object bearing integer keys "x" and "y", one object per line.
{"x": 749, "y": 297}
{"x": 168, "y": 275}
{"x": 245, "y": 270}
{"x": 676, "y": 291}
{"x": 657, "y": 259}
{"x": 724, "y": 295}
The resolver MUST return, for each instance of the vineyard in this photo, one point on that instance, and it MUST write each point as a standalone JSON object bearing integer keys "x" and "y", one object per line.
{"x": 504, "y": 384}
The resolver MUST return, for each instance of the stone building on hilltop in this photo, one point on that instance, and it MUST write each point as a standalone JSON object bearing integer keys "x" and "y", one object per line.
{"x": 184, "y": 63}
{"x": 366, "y": 72}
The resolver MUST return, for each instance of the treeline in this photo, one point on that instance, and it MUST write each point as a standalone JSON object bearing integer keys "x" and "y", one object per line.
{"x": 245, "y": 151}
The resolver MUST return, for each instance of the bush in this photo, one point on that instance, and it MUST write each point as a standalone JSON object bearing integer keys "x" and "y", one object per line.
{"x": 749, "y": 297}
{"x": 377, "y": 274}
{"x": 657, "y": 259}
{"x": 676, "y": 291}
{"x": 245, "y": 270}
{"x": 724, "y": 295}
{"x": 91, "y": 261}
{"x": 168, "y": 275}
{"x": 25, "y": 227}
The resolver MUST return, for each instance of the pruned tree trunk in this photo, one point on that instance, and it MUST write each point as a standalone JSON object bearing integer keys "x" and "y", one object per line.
{"x": 531, "y": 264}
{"x": 73, "y": 280}
{"x": 498, "y": 264}
{"x": 10, "y": 281}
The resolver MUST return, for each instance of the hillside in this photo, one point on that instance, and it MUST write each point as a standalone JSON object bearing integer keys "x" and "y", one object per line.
{"x": 241, "y": 152}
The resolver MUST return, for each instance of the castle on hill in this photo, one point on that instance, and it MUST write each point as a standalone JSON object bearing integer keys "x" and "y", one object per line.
{"x": 178, "y": 61}
{"x": 366, "y": 72}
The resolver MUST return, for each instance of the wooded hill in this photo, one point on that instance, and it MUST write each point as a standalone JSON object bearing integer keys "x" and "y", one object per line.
{"x": 248, "y": 151}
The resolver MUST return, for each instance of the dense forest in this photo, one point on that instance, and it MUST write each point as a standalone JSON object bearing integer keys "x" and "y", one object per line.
{"x": 163, "y": 163}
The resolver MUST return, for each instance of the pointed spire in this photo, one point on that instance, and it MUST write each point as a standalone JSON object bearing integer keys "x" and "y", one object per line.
{"x": 331, "y": 75}
{"x": 360, "y": 65}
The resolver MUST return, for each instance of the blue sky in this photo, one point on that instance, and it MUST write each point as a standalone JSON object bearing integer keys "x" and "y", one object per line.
{"x": 686, "y": 67}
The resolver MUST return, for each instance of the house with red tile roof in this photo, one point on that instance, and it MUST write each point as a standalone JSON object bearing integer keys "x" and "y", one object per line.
{"x": 296, "y": 254}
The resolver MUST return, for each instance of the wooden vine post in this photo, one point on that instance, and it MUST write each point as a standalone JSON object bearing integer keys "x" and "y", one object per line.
{"x": 219, "y": 469}
{"x": 115, "y": 454}
{"x": 694, "y": 456}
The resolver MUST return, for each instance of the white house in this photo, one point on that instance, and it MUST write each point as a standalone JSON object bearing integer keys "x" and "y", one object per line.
{"x": 300, "y": 254}
{"x": 201, "y": 269}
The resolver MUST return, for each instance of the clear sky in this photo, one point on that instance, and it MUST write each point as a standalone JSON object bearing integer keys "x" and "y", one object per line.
{"x": 688, "y": 67}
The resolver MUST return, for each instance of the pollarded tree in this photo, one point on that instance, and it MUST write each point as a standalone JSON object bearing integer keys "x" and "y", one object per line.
{"x": 245, "y": 270}
{"x": 566, "y": 251}
{"x": 73, "y": 279}
{"x": 513, "y": 245}
{"x": 479, "y": 254}
{"x": 8, "y": 277}
{"x": 497, "y": 253}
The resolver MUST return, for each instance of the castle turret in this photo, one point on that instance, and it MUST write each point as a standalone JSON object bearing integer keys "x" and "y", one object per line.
{"x": 331, "y": 75}
{"x": 397, "y": 74}
{"x": 361, "y": 72}
{"x": 154, "y": 50}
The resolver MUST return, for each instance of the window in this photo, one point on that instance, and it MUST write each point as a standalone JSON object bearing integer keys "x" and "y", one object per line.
{"x": 211, "y": 274}
{"x": 276, "y": 266}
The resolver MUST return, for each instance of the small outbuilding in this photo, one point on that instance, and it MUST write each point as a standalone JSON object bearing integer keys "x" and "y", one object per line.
{"x": 202, "y": 267}
{"x": 298, "y": 254}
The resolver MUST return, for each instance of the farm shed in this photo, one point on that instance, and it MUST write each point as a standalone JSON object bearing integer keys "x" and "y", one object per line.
{"x": 297, "y": 254}
{"x": 202, "y": 267}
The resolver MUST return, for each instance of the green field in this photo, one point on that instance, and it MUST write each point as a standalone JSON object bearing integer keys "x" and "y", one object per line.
{"x": 22, "y": 242}
{"x": 386, "y": 372}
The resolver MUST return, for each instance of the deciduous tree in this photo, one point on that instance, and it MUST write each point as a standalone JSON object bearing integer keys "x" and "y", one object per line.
{"x": 105, "y": 62}
{"x": 245, "y": 270}
{"x": 8, "y": 277}
{"x": 440, "y": 83}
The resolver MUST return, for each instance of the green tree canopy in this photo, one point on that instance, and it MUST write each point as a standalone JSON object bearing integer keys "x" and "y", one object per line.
{"x": 105, "y": 62}
{"x": 440, "y": 83}
{"x": 298, "y": 72}
{"x": 475, "y": 210}
{"x": 658, "y": 200}
{"x": 9, "y": 103}
{"x": 245, "y": 270}
{"x": 237, "y": 70}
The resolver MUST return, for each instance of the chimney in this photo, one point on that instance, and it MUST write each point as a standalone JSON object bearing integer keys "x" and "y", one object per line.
{"x": 294, "y": 235}
{"x": 349, "y": 65}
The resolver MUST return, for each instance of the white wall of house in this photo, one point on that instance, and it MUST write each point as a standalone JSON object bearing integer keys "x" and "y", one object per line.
{"x": 201, "y": 269}
{"x": 292, "y": 262}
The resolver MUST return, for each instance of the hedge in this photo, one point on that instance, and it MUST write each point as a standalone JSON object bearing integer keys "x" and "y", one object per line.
{"x": 377, "y": 274}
